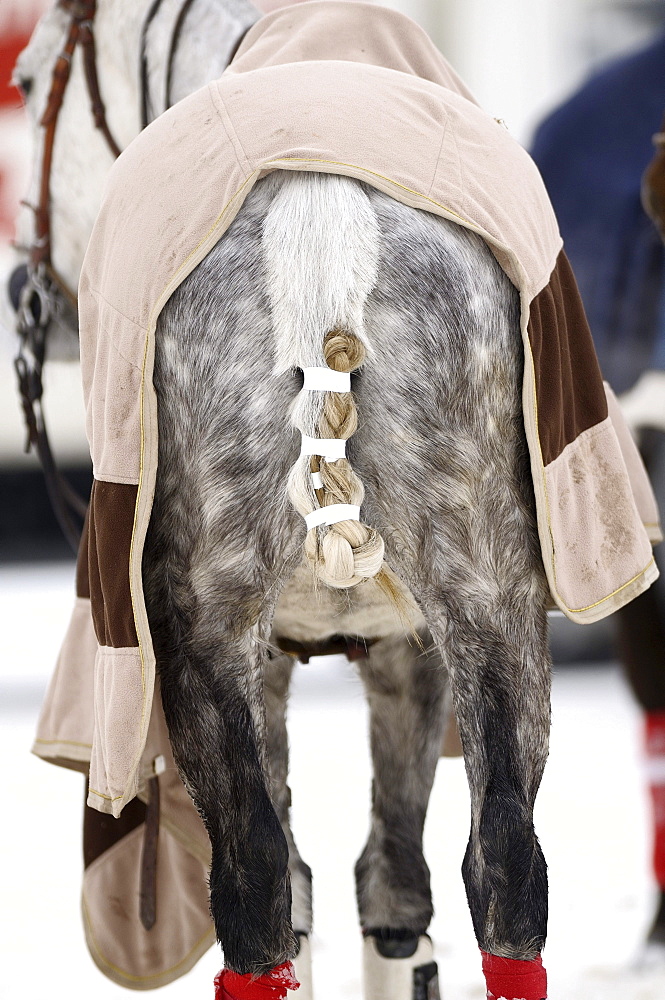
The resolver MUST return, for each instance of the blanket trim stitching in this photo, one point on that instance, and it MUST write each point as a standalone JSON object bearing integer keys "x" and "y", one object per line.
{"x": 101, "y": 795}
{"x": 128, "y": 975}
{"x": 614, "y": 592}
{"x": 69, "y": 743}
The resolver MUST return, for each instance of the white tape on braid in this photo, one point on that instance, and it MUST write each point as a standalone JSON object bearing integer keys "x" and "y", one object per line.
{"x": 332, "y": 514}
{"x": 326, "y": 380}
{"x": 317, "y": 480}
{"x": 329, "y": 448}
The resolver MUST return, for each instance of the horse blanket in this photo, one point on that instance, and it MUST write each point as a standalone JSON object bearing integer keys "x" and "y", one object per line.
{"x": 344, "y": 88}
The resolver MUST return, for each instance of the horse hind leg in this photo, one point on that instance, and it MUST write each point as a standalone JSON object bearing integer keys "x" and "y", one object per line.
{"x": 500, "y": 681}
{"x": 446, "y": 468}
{"x": 491, "y": 631}
{"x": 405, "y": 685}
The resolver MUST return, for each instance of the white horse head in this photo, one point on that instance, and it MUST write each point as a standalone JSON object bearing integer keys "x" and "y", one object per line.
{"x": 125, "y": 31}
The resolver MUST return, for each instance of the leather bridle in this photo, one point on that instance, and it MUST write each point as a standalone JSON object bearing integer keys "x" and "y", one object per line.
{"x": 146, "y": 116}
{"x": 80, "y": 33}
{"x": 44, "y": 296}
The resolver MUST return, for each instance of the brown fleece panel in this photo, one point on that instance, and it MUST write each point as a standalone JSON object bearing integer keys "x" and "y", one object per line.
{"x": 82, "y": 576}
{"x": 100, "y": 832}
{"x": 640, "y": 634}
{"x": 111, "y": 521}
{"x": 569, "y": 386}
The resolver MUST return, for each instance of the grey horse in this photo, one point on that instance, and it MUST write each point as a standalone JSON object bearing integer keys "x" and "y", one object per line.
{"x": 448, "y": 589}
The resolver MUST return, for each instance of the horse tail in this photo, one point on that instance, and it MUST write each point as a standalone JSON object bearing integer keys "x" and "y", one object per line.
{"x": 321, "y": 248}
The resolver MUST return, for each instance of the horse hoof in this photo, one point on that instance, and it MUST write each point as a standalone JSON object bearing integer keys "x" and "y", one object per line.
{"x": 393, "y": 977}
{"x": 303, "y": 966}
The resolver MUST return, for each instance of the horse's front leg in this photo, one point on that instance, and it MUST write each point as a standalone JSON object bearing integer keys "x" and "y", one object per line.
{"x": 405, "y": 684}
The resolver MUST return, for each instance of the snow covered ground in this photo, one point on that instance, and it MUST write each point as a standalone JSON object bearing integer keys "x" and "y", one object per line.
{"x": 591, "y": 818}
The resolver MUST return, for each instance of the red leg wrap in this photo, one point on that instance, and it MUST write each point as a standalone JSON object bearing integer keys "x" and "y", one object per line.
{"x": 270, "y": 986}
{"x": 510, "y": 979}
{"x": 655, "y": 751}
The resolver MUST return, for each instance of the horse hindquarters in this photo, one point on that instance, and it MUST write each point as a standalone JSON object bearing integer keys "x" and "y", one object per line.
{"x": 441, "y": 453}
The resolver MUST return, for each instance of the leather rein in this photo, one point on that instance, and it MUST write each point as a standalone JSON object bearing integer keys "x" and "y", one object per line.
{"x": 45, "y": 296}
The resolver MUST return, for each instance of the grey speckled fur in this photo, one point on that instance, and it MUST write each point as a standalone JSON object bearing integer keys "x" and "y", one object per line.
{"x": 441, "y": 451}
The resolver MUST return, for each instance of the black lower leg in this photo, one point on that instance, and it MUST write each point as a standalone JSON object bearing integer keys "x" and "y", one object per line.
{"x": 405, "y": 689}
{"x": 501, "y": 691}
{"x": 216, "y": 748}
{"x": 277, "y": 679}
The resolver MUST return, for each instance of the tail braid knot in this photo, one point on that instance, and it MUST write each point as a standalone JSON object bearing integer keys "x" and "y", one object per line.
{"x": 347, "y": 552}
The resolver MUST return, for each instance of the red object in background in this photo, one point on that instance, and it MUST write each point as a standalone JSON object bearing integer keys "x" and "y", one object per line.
{"x": 17, "y": 21}
{"x": 10, "y": 47}
{"x": 655, "y": 765}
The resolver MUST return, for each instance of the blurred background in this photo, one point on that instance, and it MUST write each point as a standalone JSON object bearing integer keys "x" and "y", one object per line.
{"x": 521, "y": 58}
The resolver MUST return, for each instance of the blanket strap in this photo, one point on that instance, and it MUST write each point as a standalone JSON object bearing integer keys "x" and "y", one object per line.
{"x": 148, "y": 112}
{"x": 148, "y": 890}
{"x": 41, "y": 293}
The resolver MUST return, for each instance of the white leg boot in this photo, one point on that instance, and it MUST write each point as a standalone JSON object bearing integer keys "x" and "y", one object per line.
{"x": 303, "y": 967}
{"x": 400, "y": 978}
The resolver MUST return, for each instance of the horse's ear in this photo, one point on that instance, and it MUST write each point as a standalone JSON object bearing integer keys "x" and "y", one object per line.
{"x": 653, "y": 184}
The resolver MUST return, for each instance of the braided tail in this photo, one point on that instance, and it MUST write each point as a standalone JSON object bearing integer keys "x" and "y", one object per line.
{"x": 346, "y": 552}
{"x": 321, "y": 247}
